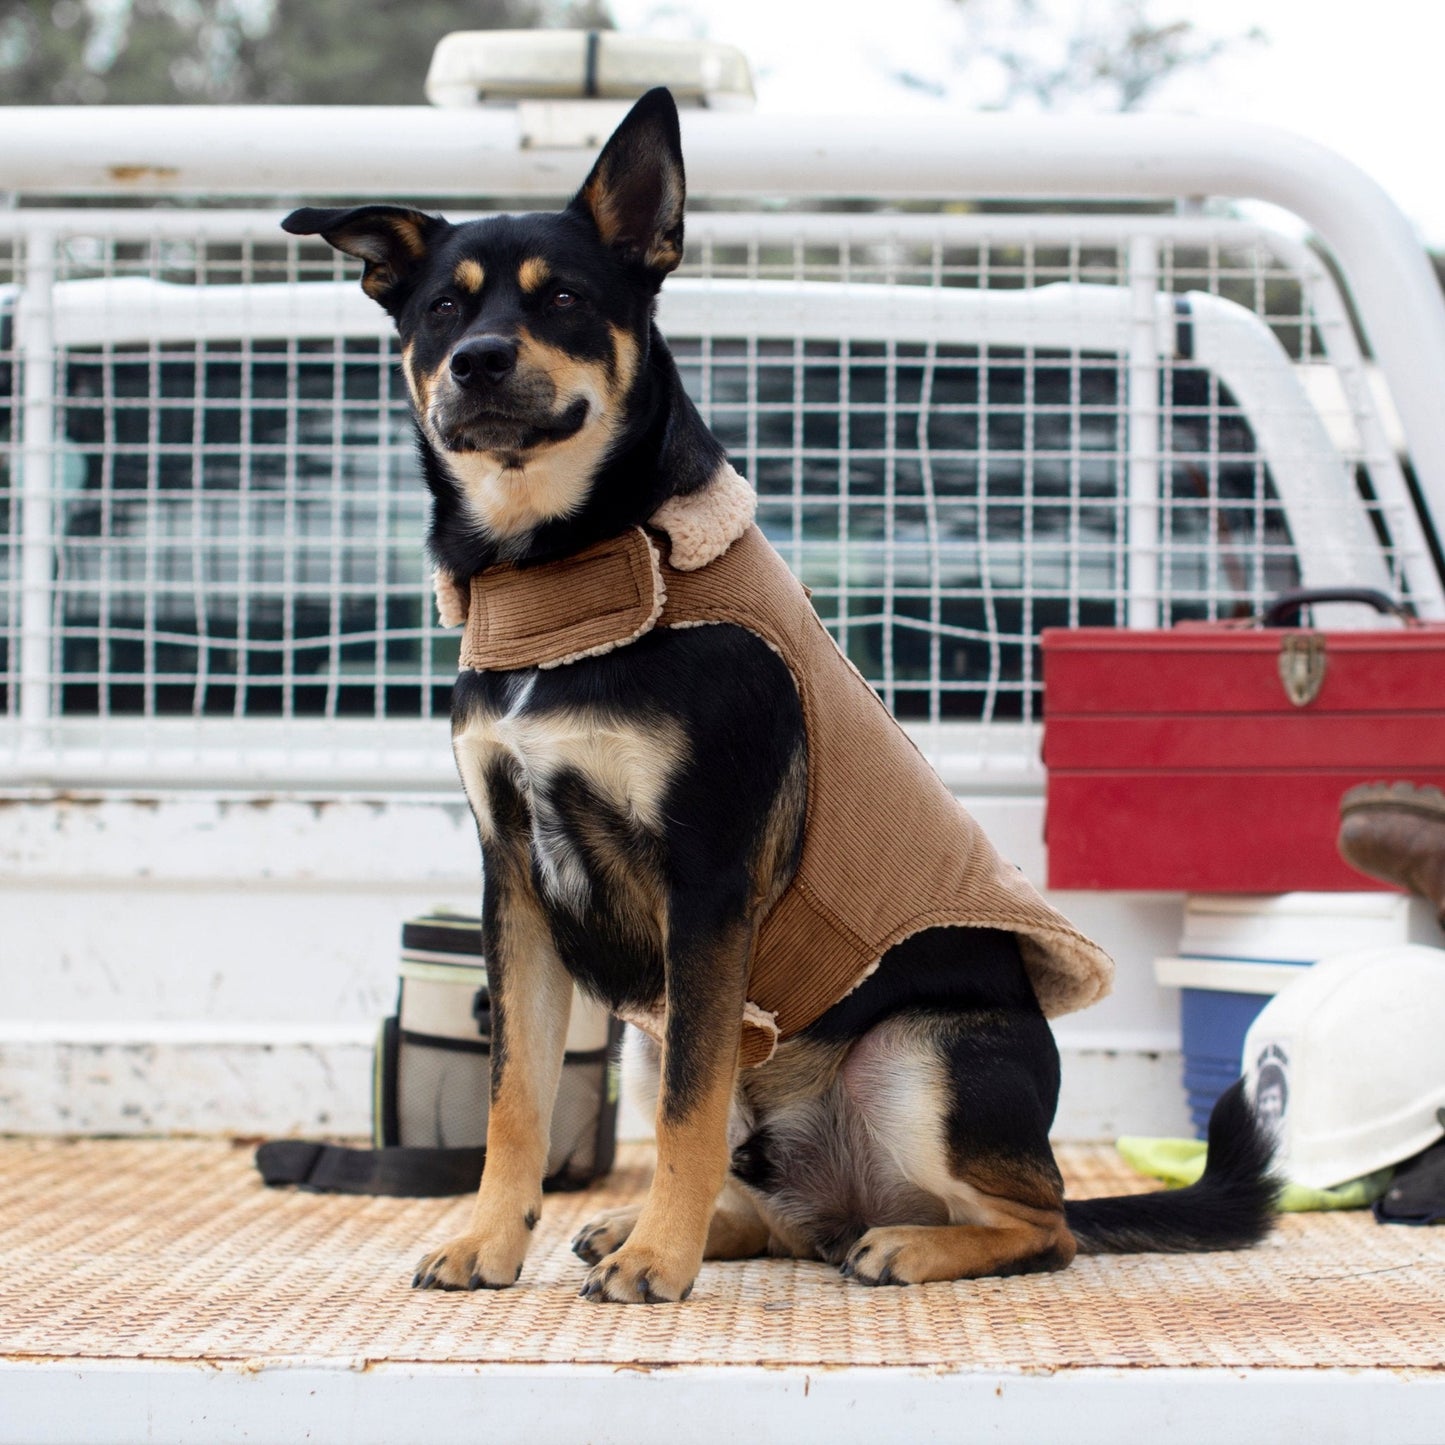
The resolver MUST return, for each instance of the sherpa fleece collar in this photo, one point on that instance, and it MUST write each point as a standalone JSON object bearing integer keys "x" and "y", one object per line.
{"x": 601, "y": 598}
{"x": 704, "y": 524}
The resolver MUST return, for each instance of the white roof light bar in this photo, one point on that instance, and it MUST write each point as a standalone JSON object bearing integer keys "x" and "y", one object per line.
{"x": 474, "y": 67}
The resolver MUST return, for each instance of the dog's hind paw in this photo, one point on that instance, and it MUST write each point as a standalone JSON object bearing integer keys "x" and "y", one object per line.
{"x": 922, "y": 1253}
{"x": 604, "y": 1233}
{"x": 871, "y": 1261}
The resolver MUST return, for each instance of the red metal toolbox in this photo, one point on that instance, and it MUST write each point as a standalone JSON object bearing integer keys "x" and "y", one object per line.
{"x": 1177, "y": 759}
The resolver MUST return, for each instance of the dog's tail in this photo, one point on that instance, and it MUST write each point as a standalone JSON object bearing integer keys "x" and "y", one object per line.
{"x": 1231, "y": 1206}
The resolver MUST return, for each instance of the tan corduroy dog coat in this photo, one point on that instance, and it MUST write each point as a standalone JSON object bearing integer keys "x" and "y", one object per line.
{"x": 887, "y": 849}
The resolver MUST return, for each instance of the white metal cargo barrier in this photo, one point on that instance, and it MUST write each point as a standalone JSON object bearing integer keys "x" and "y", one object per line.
{"x": 962, "y": 429}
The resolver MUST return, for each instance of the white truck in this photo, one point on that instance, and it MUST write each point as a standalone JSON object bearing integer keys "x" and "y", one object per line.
{"x": 988, "y": 374}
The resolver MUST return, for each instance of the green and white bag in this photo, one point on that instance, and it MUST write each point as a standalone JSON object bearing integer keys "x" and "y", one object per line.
{"x": 431, "y": 1083}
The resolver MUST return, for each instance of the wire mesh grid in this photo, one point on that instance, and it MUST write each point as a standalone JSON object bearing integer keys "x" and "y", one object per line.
{"x": 236, "y": 521}
{"x": 225, "y": 519}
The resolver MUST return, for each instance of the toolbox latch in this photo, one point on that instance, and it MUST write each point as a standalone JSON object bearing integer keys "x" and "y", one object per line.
{"x": 1302, "y": 666}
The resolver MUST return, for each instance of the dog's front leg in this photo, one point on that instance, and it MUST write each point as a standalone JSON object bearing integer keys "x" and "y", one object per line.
{"x": 531, "y": 997}
{"x": 707, "y": 972}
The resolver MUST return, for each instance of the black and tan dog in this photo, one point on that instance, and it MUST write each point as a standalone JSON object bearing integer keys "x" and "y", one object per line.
{"x": 642, "y": 810}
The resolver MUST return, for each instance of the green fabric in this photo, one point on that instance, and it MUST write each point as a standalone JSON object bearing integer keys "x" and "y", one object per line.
{"x": 1181, "y": 1161}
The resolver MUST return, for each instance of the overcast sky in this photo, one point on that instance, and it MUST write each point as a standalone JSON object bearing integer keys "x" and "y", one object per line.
{"x": 1367, "y": 79}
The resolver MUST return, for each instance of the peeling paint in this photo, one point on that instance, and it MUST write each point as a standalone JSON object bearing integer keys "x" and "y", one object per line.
{"x": 141, "y": 175}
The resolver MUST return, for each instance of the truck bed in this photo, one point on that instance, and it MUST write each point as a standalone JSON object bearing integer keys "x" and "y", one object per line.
{"x": 155, "y": 1290}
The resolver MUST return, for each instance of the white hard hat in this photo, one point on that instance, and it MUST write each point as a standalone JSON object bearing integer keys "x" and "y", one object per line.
{"x": 1347, "y": 1063}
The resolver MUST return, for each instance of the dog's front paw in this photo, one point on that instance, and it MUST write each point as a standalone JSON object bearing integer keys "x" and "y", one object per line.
{"x": 471, "y": 1261}
{"x": 604, "y": 1233}
{"x": 638, "y": 1275}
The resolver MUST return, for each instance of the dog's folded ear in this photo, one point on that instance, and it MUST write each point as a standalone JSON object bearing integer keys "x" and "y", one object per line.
{"x": 636, "y": 191}
{"x": 392, "y": 240}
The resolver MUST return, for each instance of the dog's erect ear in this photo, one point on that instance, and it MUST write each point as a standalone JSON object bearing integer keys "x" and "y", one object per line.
{"x": 392, "y": 240}
{"x": 636, "y": 191}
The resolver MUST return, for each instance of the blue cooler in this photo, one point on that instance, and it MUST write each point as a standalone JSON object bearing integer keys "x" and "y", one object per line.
{"x": 1218, "y": 1000}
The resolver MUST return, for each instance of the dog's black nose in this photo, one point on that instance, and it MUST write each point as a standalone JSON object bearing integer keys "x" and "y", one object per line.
{"x": 484, "y": 360}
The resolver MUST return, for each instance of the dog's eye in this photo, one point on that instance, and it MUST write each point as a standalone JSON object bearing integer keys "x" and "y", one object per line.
{"x": 443, "y": 306}
{"x": 564, "y": 299}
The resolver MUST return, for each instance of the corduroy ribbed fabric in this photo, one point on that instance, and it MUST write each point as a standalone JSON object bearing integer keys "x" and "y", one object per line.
{"x": 887, "y": 849}
{"x": 614, "y": 593}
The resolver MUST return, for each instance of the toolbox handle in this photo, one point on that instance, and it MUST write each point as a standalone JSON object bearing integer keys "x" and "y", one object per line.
{"x": 1284, "y": 611}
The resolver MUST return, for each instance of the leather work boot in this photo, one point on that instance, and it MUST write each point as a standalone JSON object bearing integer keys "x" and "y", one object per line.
{"x": 1396, "y": 832}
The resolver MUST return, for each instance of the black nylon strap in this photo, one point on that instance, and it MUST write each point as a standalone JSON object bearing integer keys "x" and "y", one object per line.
{"x": 442, "y": 1041}
{"x": 408, "y": 1173}
{"x": 442, "y": 933}
{"x": 335, "y": 1169}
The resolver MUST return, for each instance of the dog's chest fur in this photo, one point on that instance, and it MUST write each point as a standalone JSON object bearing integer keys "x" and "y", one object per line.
{"x": 581, "y": 786}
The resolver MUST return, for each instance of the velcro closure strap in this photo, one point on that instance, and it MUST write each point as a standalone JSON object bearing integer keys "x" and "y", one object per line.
{"x": 558, "y": 612}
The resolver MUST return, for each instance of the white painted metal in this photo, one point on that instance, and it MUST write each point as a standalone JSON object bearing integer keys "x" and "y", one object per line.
{"x": 1328, "y": 524}
{"x": 277, "y": 1078}
{"x": 308, "y": 755}
{"x": 738, "y": 255}
{"x": 1335, "y": 540}
{"x": 1333, "y": 534}
{"x": 282, "y": 1078}
{"x": 1331, "y": 528}
{"x": 319, "y": 151}
{"x": 36, "y": 344}
{"x": 368, "y": 1402}
{"x": 1142, "y": 518}
{"x": 218, "y": 962}
{"x": 1379, "y": 455}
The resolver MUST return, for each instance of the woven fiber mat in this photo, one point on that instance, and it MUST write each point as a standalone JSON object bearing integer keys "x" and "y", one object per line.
{"x": 174, "y": 1250}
